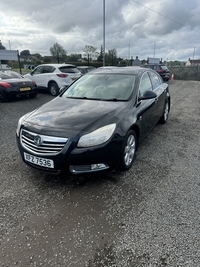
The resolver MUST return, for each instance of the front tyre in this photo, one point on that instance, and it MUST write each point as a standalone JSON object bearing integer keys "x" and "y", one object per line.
{"x": 53, "y": 89}
{"x": 129, "y": 150}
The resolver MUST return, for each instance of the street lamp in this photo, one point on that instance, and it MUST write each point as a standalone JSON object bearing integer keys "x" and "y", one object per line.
{"x": 103, "y": 32}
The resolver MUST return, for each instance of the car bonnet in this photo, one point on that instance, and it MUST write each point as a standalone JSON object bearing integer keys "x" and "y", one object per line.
{"x": 75, "y": 115}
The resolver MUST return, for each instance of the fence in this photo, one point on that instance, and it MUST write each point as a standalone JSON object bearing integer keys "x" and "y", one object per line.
{"x": 185, "y": 73}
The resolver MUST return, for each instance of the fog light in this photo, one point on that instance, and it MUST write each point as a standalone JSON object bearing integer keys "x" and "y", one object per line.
{"x": 88, "y": 168}
{"x": 98, "y": 166}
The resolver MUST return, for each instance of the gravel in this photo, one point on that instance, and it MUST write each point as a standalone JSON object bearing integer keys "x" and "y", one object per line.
{"x": 148, "y": 216}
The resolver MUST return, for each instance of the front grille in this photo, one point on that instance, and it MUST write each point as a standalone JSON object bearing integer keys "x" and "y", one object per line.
{"x": 42, "y": 144}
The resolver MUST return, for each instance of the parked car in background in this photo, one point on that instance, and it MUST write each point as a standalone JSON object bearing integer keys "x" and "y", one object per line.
{"x": 96, "y": 124}
{"x": 16, "y": 87}
{"x": 161, "y": 69}
{"x": 85, "y": 69}
{"x": 53, "y": 76}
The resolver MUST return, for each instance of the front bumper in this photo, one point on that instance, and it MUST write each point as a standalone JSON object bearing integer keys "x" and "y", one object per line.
{"x": 72, "y": 160}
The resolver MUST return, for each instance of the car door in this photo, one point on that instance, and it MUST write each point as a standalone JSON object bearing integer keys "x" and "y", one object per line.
{"x": 160, "y": 89}
{"x": 36, "y": 75}
{"x": 147, "y": 107}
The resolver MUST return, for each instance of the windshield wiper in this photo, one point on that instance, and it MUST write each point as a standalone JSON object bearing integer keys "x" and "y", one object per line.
{"x": 112, "y": 99}
{"x": 74, "y": 97}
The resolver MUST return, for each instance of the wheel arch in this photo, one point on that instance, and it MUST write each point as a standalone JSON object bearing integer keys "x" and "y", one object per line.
{"x": 50, "y": 82}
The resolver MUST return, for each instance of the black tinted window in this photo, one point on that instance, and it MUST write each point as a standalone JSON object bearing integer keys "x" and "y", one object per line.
{"x": 145, "y": 84}
{"x": 163, "y": 67}
{"x": 68, "y": 69}
{"x": 38, "y": 70}
{"x": 155, "y": 79}
{"x": 48, "y": 69}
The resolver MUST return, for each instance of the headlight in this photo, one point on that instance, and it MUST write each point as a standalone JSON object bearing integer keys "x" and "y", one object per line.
{"x": 20, "y": 122}
{"x": 97, "y": 137}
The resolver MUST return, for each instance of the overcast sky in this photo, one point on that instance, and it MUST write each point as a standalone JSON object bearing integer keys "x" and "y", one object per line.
{"x": 167, "y": 29}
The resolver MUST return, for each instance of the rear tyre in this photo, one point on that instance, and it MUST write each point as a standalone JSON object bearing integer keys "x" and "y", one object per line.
{"x": 53, "y": 89}
{"x": 165, "y": 115}
{"x": 129, "y": 150}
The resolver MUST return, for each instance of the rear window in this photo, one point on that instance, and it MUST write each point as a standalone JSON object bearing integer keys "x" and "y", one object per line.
{"x": 149, "y": 66}
{"x": 163, "y": 67}
{"x": 4, "y": 76}
{"x": 68, "y": 69}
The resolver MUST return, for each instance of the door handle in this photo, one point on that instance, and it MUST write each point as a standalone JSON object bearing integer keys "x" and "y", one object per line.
{"x": 156, "y": 99}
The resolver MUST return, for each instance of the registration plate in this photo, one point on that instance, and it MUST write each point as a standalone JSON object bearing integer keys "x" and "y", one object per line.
{"x": 39, "y": 161}
{"x": 73, "y": 79}
{"x": 25, "y": 89}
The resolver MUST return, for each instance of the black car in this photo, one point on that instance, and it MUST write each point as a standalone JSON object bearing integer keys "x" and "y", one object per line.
{"x": 96, "y": 124}
{"x": 161, "y": 69}
{"x": 15, "y": 87}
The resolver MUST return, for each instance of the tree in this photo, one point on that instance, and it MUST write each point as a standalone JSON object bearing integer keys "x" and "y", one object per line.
{"x": 90, "y": 51}
{"x": 1, "y": 46}
{"x": 58, "y": 52}
{"x": 100, "y": 57}
{"x": 37, "y": 55}
{"x": 73, "y": 57}
{"x": 111, "y": 57}
{"x": 25, "y": 53}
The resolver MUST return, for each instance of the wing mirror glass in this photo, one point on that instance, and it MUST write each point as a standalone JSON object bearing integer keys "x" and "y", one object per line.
{"x": 148, "y": 95}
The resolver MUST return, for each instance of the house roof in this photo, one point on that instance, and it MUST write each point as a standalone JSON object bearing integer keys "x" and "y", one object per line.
{"x": 194, "y": 61}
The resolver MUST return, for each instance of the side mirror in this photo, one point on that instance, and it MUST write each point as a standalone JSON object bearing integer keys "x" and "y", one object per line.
{"x": 147, "y": 95}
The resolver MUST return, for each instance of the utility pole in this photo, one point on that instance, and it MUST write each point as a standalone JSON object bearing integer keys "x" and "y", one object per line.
{"x": 104, "y": 32}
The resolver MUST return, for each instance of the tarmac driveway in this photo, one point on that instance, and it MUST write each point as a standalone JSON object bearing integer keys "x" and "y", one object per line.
{"x": 148, "y": 216}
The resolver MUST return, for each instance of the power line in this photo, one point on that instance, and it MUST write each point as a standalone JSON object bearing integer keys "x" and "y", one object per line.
{"x": 163, "y": 15}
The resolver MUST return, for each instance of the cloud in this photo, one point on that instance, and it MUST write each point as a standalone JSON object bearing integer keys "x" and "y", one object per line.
{"x": 132, "y": 27}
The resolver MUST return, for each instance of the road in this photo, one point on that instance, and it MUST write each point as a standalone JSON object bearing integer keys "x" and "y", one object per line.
{"x": 148, "y": 216}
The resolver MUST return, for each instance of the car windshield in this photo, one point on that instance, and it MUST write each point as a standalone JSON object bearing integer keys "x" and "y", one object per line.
{"x": 110, "y": 87}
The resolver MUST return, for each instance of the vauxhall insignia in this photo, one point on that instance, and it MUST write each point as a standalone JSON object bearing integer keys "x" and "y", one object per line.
{"x": 37, "y": 140}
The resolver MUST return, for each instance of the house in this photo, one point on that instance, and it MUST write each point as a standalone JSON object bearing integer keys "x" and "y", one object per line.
{"x": 5, "y": 67}
{"x": 136, "y": 62}
{"x": 192, "y": 62}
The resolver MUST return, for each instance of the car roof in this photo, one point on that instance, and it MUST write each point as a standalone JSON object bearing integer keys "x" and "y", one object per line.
{"x": 134, "y": 70}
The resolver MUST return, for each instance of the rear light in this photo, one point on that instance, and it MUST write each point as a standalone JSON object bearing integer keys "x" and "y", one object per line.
{"x": 6, "y": 85}
{"x": 161, "y": 71}
{"x": 61, "y": 75}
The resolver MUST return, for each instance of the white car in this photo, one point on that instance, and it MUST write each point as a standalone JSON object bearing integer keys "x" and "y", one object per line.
{"x": 54, "y": 76}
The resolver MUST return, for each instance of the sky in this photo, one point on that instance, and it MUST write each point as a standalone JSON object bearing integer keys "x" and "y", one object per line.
{"x": 167, "y": 29}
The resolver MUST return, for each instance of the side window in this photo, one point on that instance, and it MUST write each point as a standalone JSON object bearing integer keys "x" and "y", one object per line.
{"x": 47, "y": 69}
{"x": 38, "y": 70}
{"x": 145, "y": 84}
{"x": 155, "y": 79}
